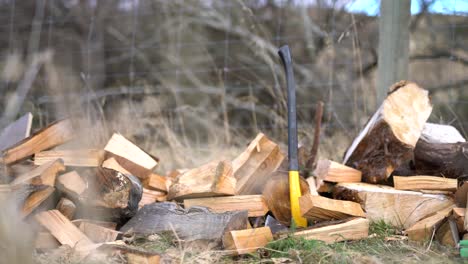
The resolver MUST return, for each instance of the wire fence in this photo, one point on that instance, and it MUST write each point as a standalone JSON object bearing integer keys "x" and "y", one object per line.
{"x": 213, "y": 64}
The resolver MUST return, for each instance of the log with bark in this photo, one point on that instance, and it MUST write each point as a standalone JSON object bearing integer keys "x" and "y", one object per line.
{"x": 195, "y": 223}
{"x": 389, "y": 137}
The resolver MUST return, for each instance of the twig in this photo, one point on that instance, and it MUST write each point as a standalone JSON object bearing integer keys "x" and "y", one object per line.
{"x": 314, "y": 150}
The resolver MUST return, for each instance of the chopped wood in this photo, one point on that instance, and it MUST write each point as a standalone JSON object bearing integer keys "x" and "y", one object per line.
{"x": 253, "y": 167}
{"x": 396, "y": 207}
{"x": 111, "y": 163}
{"x": 441, "y": 159}
{"x": 445, "y": 235}
{"x": 106, "y": 224}
{"x": 16, "y": 131}
{"x": 209, "y": 180}
{"x": 312, "y": 185}
{"x": 42, "y": 175}
{"x": 62, "y": 229}
{"x": 66, "y": 207}
{"x": 189, "y": 224}
{"x": 45, "y": 240}
{"x": 254, "y": 204}
{"x": 324, "y": 187}
{"x": 71, "y": 184}
{"x": 331, "y": 171}
{"x": 97, "y": 233}
{"x": 423, "y": 229}
{"x": 418, "y": 183}
{"x": 55, "y": 134}
{"x": 130, "y": 156}
{"x": 351, "y": 230}
{"x": 459, "y": 217}
{"x": 156, "y": 182}
{"x": 150, "y": 196}
{"x": 74, "y": 158}
{"x": 247, "y": 240}
{"x": 36, "y": 199}
{"x": 389, "y": 137}
{"x": 319, "y": 208}
{"x": 276, "y": 195}
{"x": 137, "y": 258}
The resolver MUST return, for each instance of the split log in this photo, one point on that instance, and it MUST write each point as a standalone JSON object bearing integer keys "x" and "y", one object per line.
{"x": 36, "y": 199}
{"x": 16, "y": 131}
{"x": 71, "y": 184}
{"x": 354, "y": 229}
{"x": 331, "y": 171}
{"x": 156, "y": 182}
{"x": 396, "y": 207}
{"x": 55, "y": 134}
{"x": 254, "y": 204}
{"x": 446, "y": 235}
{"x": 388, "y": 139}
{"x": 62, "y": 229}
{"x": 130, "y": 156}
{"x": 320, "y": 208}
{"x": 248, "y": 240}
{"x": 253, "y": 167}
{"x": 97, "y": 233}
{"x": 195, "y": 223}
{"x": 139, "y": 258}
{"x": 150, "y": 196}
{"x": 74, "y": 158}
{"x": 42, "y": 175}
{"x": 111, "y": 163}
{"x": 66, "y": 207}
{"x": 424, "y": 229}
{"x": 312, "y": 186}
{"x": 276, "y": 195}
{"x": 420, "y": 183}
{"x": 45, "y": 240}
{"x": 459, "y": 217}
{"x": 212, "y": 179}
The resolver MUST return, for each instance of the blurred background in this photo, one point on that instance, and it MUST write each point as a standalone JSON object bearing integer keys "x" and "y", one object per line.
{"x": 190, "y": 81}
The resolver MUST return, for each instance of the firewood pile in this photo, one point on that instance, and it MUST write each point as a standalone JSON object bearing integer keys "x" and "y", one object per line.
{"x": 399, "y": 169}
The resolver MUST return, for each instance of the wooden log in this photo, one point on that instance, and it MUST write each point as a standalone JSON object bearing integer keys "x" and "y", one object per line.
{"x": 254, "y": 204}
{"x": 388, "y": 139}
{"x": 445, "y": 235}
{"x": 151, "y": 196}
{"x": 459, "y": 217}
{"x": 111, "y": 163}
{"x": 331, "y": 171}
{"x": 16, "y": 131}
{"x": 42, "y": 175}
{"x": 72, "y": 184}
{"x": 36, "y": 199}
{"x": 424, "y": 229}
{"x": 311, "y": 181}
{"x": 195, "y": 223}
{"x": 248, "y": 240}
{"x": 106, "y": 224}
{"x": 45, "y": 240}
{"x": 97, "y": 233}
{"x": 253, "y": 167}
{"x": 138, "y": 258}
{"x": 130, "y": 157}
{"x": 209, "y": 180}
{"x": 62, "y": 229}
{"x": 66, "y": 207}
{"x": 156, "y": 182}
{"x": 396, "y": 207}
{"x": 354, "y": 229}
{"x": 276, "y": 195}
{"x": 418, "y": 183}
{"x": 319, "y": 208}
{"x": 74, "y": 158}
{"x": 55, "y": 134}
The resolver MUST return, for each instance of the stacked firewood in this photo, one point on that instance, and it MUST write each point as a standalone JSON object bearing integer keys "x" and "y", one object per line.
{"x": 399, "y": 169}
